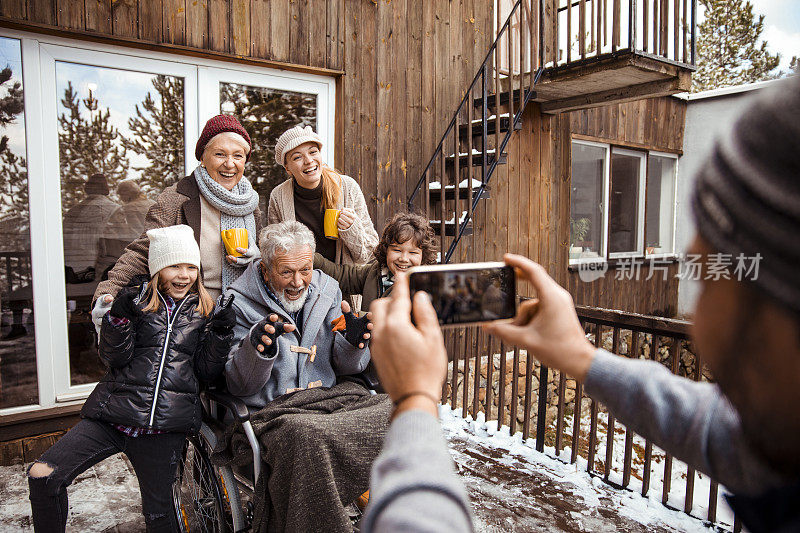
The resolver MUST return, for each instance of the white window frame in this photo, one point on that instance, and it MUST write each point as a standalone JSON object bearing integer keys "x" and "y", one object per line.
{"x": 673, "y": 254}
{"x": 601, "y": 258}
{"x": 39, "y": 54}
{"x": 640, "y": 252}
{"x": 642, "y": 155}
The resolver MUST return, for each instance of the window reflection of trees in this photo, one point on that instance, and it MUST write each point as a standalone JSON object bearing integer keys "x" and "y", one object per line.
{"x": 121, "y": 143}
{"x": 266, "y": 114}
{"x": 18, "y": 377}
{"x": 89, "y": 143}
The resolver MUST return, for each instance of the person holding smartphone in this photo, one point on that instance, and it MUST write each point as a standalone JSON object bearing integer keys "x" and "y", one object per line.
{"x": 743, "y": 431}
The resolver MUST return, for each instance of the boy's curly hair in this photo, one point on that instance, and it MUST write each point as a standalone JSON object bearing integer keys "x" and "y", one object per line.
{"x": 402, "y": 227}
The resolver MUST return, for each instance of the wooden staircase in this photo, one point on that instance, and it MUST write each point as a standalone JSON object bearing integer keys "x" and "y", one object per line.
{"x": 535, "y": 57}
{"x": 457, "y": 177}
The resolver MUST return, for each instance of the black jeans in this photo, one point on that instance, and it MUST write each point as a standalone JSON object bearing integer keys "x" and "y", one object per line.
{"x": 155, "y": 459}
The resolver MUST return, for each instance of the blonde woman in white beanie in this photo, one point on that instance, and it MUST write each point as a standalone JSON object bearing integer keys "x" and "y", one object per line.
{"x": 160, "y": 339}
{"x": 314, "y": 187}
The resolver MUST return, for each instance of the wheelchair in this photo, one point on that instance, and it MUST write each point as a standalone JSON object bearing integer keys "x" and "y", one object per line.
{"x": 213, "y": 499}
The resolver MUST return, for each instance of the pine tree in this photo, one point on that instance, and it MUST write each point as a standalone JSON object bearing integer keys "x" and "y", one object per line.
{"x": 157, "y": 133}
{"x": 12, "y": 104}
{"x": 727, "y": 47}
{"x": 13, "y": 184}
{"x": 794, "y": 66}
{"x": 266, "y": 114}
{"x": 13, "y": 168}
{"x": 87, "y": 145}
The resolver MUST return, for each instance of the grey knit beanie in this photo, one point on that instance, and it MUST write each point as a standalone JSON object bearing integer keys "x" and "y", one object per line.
{"x": 747, "y": 195}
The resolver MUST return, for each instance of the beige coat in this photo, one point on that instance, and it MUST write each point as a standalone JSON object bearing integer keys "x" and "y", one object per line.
{"x": 356, "y": 243}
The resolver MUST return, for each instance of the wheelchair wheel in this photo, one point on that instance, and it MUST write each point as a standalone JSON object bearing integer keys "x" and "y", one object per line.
{"x": 198, "y": 495}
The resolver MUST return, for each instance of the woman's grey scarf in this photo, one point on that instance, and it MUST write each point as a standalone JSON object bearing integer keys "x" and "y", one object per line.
{"x": 235, "y": 211}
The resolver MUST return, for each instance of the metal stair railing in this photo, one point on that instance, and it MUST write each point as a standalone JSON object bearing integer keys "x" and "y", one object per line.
{"x": 514, "y": 55}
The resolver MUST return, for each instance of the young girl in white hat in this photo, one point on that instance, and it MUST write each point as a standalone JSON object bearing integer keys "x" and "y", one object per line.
{"x": 160, "y": 340}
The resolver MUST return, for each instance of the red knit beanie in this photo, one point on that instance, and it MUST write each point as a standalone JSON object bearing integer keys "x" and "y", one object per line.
{"x": 217, "y": 125}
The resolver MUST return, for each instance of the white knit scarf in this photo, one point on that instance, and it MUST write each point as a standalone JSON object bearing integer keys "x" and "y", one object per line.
{"x": 236, "y": 209}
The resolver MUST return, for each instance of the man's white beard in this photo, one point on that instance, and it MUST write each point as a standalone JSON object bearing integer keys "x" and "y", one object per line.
{"x": 293, "y": 305}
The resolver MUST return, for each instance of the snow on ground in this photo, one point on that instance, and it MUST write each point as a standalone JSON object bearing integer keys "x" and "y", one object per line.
{"x": 678, "y": 474}
{"x": 512, "y": 487}
{"x": 105, "y": 498}
{"x": 599, "y": 507}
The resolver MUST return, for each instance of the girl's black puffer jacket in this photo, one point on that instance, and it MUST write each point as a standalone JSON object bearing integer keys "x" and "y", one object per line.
{"x": 155, "y": 367}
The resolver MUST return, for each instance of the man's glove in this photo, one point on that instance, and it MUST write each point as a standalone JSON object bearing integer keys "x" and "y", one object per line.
{"x": 101, "y": 307}
{"x": 263, "y": 338}
{"x": 356, "y": 331}
{"x": 126, "y": 303}
{"x": 224, "y": 316}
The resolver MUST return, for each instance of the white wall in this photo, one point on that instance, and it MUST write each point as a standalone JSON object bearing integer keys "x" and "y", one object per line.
{"x": 708, "y": 114}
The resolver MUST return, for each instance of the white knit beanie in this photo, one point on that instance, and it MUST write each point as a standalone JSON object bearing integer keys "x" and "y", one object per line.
{"x": 172, "y": 245}
{"x": 292, "y": 138}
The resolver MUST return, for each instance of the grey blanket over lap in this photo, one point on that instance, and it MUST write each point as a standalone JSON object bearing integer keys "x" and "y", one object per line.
{"x": 318, "y": 445}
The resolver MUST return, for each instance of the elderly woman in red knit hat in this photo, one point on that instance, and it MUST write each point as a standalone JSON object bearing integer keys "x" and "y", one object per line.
{"x": 215, "y": 197}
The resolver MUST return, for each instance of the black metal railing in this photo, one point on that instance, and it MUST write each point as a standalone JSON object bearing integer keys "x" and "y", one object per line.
{"x": 553, "y": 408}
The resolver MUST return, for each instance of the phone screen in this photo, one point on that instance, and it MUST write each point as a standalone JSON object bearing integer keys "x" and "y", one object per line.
{"x": 468, "y": 295}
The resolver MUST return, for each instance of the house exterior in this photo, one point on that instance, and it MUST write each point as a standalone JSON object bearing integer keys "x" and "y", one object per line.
{"x": 124, "y": 87}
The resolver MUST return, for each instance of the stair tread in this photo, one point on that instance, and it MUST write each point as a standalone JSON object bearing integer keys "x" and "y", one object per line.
{"x": 437, "y": 186}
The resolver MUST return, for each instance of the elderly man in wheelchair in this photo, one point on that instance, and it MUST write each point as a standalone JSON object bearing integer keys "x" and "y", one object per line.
{"x": 302, "y": 438}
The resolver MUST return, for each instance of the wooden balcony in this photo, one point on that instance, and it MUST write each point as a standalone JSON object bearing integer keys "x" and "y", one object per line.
{"x": 623, "y": 76}
{"x": 595, "y": 52}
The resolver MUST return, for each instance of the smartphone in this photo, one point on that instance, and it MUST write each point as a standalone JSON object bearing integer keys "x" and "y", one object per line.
{"x": 467, "y": 293}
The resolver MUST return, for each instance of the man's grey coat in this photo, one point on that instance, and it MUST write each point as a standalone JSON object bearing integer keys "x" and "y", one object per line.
{"x": 258, "y": 379}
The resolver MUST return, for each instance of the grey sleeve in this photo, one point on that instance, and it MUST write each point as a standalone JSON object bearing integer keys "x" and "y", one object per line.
{"x": 690, "y": 420}
{"x": 414, "y": 487}
{"x": 247, "y": 371}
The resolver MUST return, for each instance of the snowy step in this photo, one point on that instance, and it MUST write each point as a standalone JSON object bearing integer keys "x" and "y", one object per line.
{"x": 435, "y": 189}
{"x": 477, "y": 158}
{"x": 450, "y": 227}
{"x": 491, "y": 126}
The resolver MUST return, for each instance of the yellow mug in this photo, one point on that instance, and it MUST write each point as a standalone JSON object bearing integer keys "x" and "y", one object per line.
{"x": 330, "y": 223}
{"x": 234, "y": 238}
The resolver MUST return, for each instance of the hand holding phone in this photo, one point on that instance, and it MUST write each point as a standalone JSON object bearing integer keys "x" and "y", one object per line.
{"x": 411, "y": 359}
{"x": 547, "y": 326}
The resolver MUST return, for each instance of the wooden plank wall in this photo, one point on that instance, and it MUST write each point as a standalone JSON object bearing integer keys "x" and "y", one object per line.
{"x": 407, "y": 64}
{"x": 303, "y": 32}
{"x": 529, "y": 196}
{"x": 652, "y": 124}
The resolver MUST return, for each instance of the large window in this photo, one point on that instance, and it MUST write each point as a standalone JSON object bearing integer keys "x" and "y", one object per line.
{"x": 622, "y": 203}
{"x": 99, "y": 134}
{"x": 18, "y": 371}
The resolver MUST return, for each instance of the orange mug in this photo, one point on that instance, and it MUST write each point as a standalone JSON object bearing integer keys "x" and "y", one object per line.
{"x": 330, "y": 223}
{"x": 234, "y": 238}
